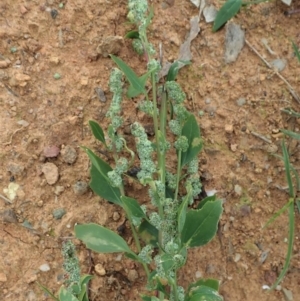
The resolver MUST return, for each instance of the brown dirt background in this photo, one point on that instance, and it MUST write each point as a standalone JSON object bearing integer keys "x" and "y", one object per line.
{"x": 58, "y": 112}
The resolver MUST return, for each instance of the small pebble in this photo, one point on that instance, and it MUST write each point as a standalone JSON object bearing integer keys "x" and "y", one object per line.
{"x": 22, "y": 122}
{"x": 59, "y": 189}
{"x": 80, "y": 187}
{"x": 54, "y": 13}
{"x": 58, "y": 213}
{"x": 210, "y": 13}
{"x": 116, "y": 216}
{"x": 15, "y": 169}
{"x": 288, "y": 295}
{"x": 99, "y": 269}
{"x": 241, "y": 101}
{"x": 31, "y": 296}
{"x": 278, "y": 64}
{"x": 238, "y": 189}
{"x": 69, "y": 154}
{"x": 198, "y": 274}
{"x": 51, "y": 151}
{"x": 132, "y": 275}
{"x": 237, "y": 257}
{"x": 50, "y": 171}
{"x": 229, "y": 128}
{"x": 8, "y": 216}
{"x": 44, "y": 267}
{"x": 100, "y": 94}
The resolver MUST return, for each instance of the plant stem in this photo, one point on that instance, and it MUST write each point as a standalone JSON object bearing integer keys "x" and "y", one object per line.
{"x": 178, "y": 174}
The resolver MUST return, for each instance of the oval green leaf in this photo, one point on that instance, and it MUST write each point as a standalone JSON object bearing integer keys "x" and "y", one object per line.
{"x": 192, "y": 131}
{"x": 101, "y": 239}
{"x": 136, "y": 83}
{"x": 202, "y": 292}
{"x": 201, "y": 225}
{"x": 97, "y": 131}
{"x": 65, "y": 295}
{"x": 226, "y": 12}
{"x": 132, "y": 207}
{"x": 100, "y": 183}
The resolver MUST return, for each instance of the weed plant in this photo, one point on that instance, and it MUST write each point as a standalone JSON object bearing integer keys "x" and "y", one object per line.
{"x": 167, "y": 226}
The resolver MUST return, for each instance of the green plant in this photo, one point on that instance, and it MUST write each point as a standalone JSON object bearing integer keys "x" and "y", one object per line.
{"x": 75, "y": 288}
{"x": 293, "y": 199}
{"x": 164, "y": 230}
{"x": 229, "y": 9}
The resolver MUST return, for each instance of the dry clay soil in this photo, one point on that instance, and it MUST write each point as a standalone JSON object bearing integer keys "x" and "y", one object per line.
{"x": 234, "y": 100}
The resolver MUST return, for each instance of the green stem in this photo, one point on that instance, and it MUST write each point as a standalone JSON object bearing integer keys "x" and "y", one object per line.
{"x": 178, "y": 174}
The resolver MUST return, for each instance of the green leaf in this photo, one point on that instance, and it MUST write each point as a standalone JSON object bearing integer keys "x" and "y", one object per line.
{"x": 212, "y": 283}
{"x": 148, "y": 233}
{"x": 201, "y": 225}
{"x": 192, "y": 132}
{"x": 297, "y": 52}
{"x": 100, "y": 183}
{"x": 202, "y": 292}
{"x": 174, "y": 69}
{"x": 133, "y": 34}
{"x": 205, "y": 200}
{"x": 291, "y": 134}
{"x": 97, "y": 131}
{"x": 65, "y": 295}
{"x": 133, "y": 79}
{"x": 181, "y": 216}
{"x": 47, "y": 291}
{"x": 132, "y": 207}
{"x": 84, "y": 280}
{"x": 132, "y": 92}
{"x": 101, "y": 239}
{"x": 227, "y": 11}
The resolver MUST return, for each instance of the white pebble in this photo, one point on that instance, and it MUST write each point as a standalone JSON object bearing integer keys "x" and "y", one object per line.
{"x": 44, "y": 267}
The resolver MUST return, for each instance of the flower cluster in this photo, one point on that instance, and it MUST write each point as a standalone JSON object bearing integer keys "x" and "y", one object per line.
{"x": 115, "y": 176}
{"x": 175, "y": 92}
{"x": 154, "y": 66}
{"x": 145, "y": 254}
{"x": 71, "y": 264}
{"x": 144, "y": 149}
{"x": 138, "y": 46}
{"x": 137, "y": 10}
{"x": 182, "y": 144}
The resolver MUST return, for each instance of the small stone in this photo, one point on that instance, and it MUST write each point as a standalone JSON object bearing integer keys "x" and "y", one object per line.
{"x": 44, "y": 267}
{"x": 58, "y": 213}
{"x": 40, "y": 203}
{"x": 99, "y": 269}
{"x": 84, "y": 81}
{"x": 54, "y": 60}
{"x": 238, "y": 189}
{"x": 80, "y": 187}
{"x": 21, "y": 77}
{"x": 69, "y": 154}
{"x": 198, "y": 274}
{"x": 245, "y": 210}
{"x": 100, "y": 94}
{"x": 15, "y": 169}
{"x": 3, "y": 277}
{"x": 50, "y": 171}
{"x": 54, "y": 13}
{"x": 23, "y": 10}
{"x": 31, "y": 296}
{"x": 110, "y": 45}
{"x": 30, "y": 278}
{"x": 234, "y": 42}
{"x": 8, "y": 216}
{"x": 210, "y": 269}
{"x": 288, "y": 295}
{"x": 209, "y": 13}
{"x": 229, "y": 128}
{"x": 4, "y": 64}
{"x": 233, "y": 147}
{"x": 51, "y": 151}
{"x": 132, "y": 275}
{"x": 11, "y": 191}
{"x": 237, "y": 257}
{"x": 241, "y": 101}
{"x": 278, "y": 64}
{"x": 116, "y": 216}
{"x": 58, "y": 190}
{"x": 23, "y": 123}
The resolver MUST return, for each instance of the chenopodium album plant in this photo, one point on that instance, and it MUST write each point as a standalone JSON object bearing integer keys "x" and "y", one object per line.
{"x": 164, "y": 234}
